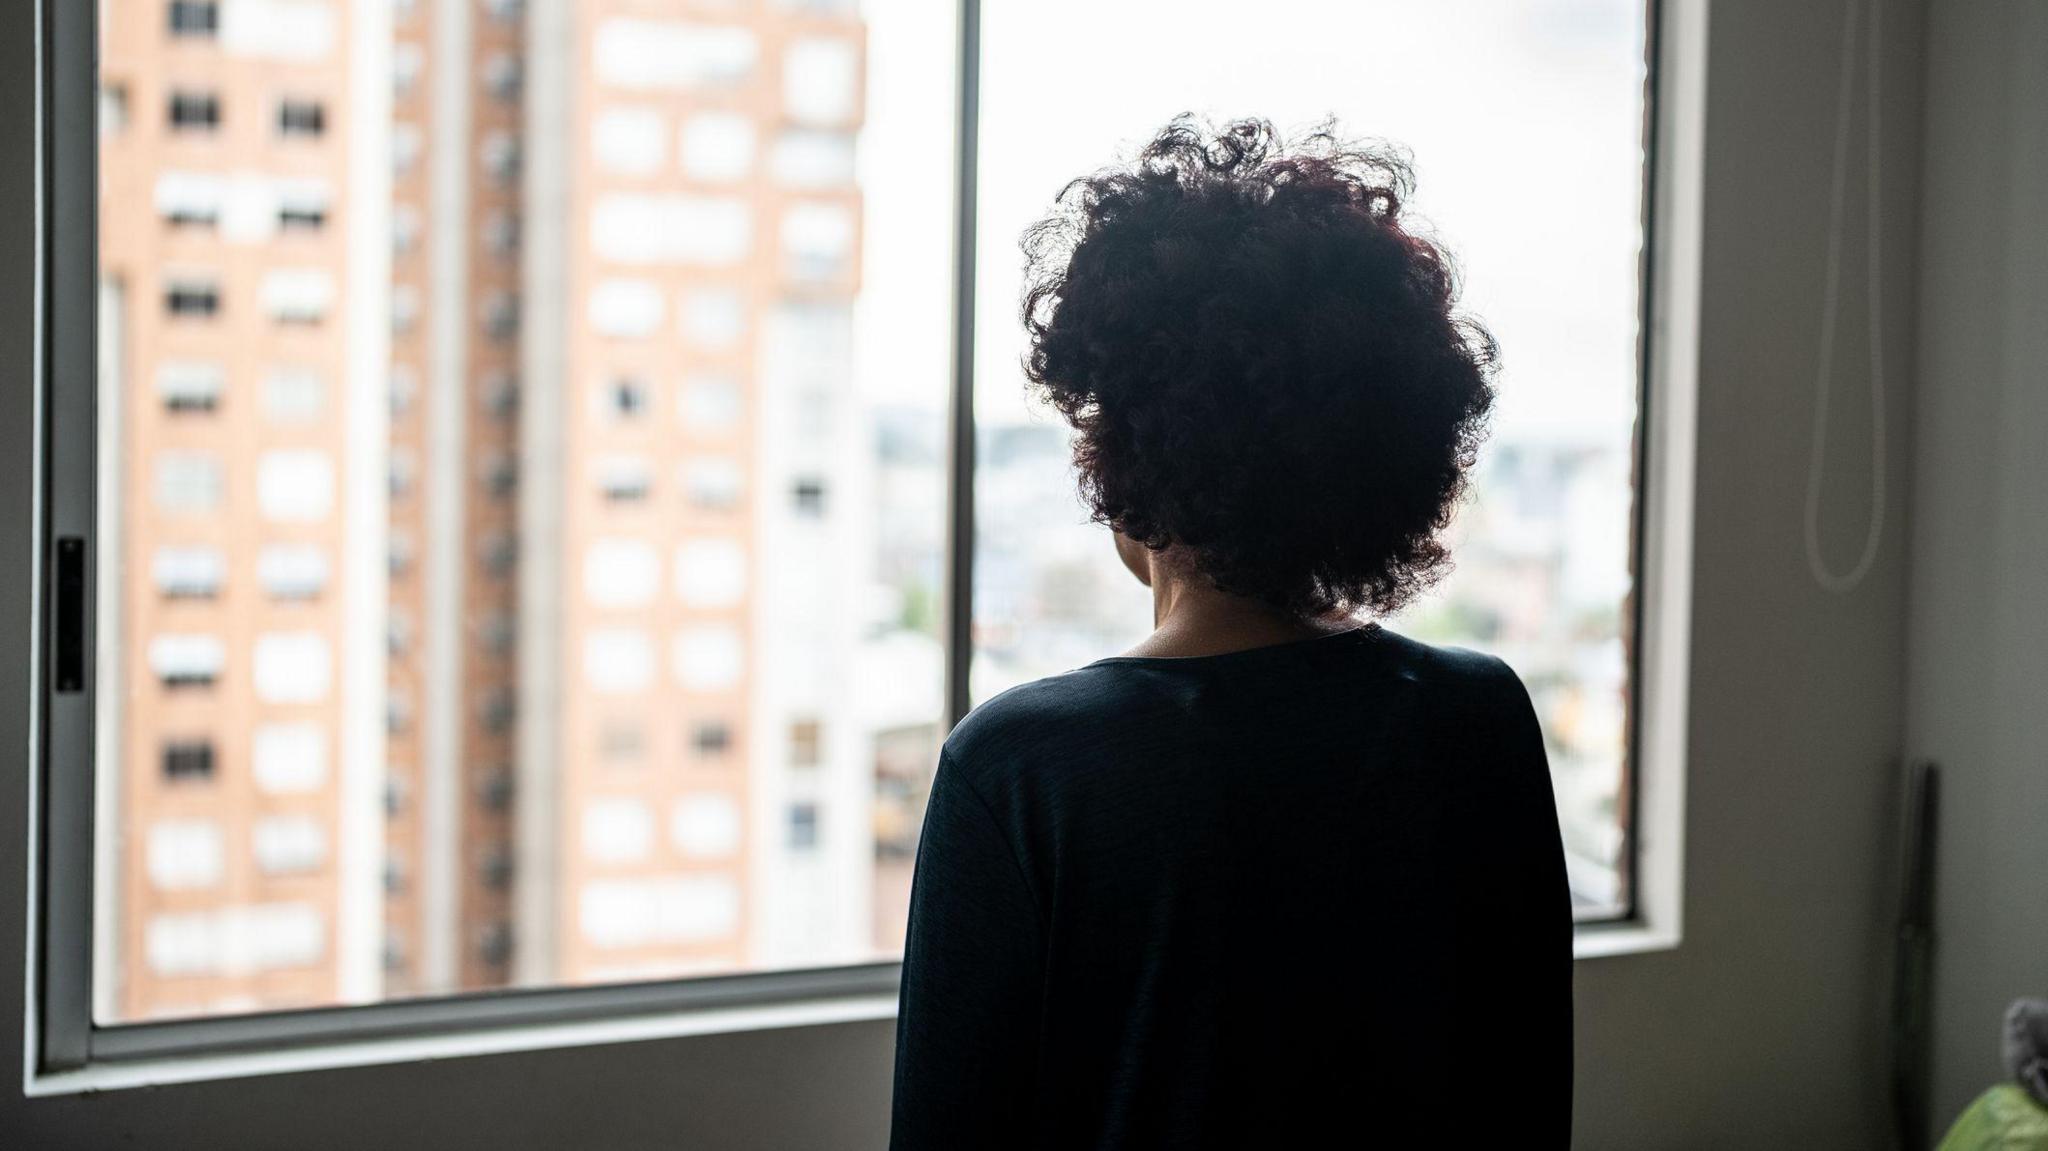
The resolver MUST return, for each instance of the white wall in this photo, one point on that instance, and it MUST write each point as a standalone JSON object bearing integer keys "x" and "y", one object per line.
{"x": 1763, "y": 1030}
{"x": 1977, "y": 676}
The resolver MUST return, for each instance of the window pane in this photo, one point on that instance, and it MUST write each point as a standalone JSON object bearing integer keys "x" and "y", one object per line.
{"x": 464, "y": 640}
{"x": 1499, "y": 100}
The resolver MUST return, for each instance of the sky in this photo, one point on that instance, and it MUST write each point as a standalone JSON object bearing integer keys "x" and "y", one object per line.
{"x": 1523, "y": 118}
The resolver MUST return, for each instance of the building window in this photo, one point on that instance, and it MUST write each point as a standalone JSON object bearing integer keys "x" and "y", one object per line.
{"x": 294, "y": 486}
{"x": 192, "y": 298}
{"x": 803, "y": 826}
{"x": 628, "y": 140}
{"x": 711, "y": 739}
{"x": 709, "y": 658}
{"x": 503, "y": 77}
{"x": 407, "y": 59}
{"x": 714, "y": 403}
{"x": 621, "y": 740}
{"x": 289, "y": 758}
{"x": 194, "y": 111}
{"x": 189, "y": 572}
{"x": 302, "y": 211}
{"x": 499, "y": 395}
{"x": 806, "y": 743}
{"x": 817, "y": 242}
{"x": 185, "y": 854}
{"x": 297, "y": 116}
{"x": 294, "y": 396}
{"x": 291, "y": 572}
{"x": 190, "y": 199}
{"x": 714, "y": 318}
{"x": 288, "y": 845}
{"x": 672, "y": 55}
{"x": 711, "y": 573}
{"x": 617, "y": 830}
{"x": 186, "y": 661}
{"x": 821, "y": 81}
{"x": 624, "y": 479}
{"x": 292, "y": 667}
{"x": 621, "y": 573}
{"x": 187, "y": 483}
{"x": 187, "y": 760}
{"x": 499, "y": 233}
{"x": 813, "y": 159}
{"x": 618, "y": 661}
{"x": 807, "y": 497}
{"x": 190, "y": 386}
{"x": 706, "y": 826}
{"x": 713, "y": 483}
{"x": 500, "y": 315}
{"x": 197, "y": 18}
{"x": 625, "y": 398}
{"x": 718, "y": 147}
{"x": 297, "y": 296}
{"x": 499, "y": 156}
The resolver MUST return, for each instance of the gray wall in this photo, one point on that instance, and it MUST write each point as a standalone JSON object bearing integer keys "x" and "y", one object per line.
{"x": 1978, "y": 669}
{"x": 1763, "y": 1030}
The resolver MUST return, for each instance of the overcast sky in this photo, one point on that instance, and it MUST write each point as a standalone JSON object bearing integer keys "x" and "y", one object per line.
{"x": 1523, "y": 117}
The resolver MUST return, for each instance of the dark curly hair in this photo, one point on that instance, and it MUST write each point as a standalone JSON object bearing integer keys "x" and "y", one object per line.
{"x": 1265, "y": 366}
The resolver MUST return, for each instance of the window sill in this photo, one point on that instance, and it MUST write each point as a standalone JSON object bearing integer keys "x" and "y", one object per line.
{"x": 1608, "y": 940}
{"x": 1598, "y": 941}
{"x": 113, "y": 1076}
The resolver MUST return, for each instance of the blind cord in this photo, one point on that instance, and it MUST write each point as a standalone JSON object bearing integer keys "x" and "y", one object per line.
{"x": 1831, "y": 305}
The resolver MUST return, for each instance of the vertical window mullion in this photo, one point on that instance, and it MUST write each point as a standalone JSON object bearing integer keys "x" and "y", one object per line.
{"x": 69, "y": 467}
{"x": 959, "y": 580}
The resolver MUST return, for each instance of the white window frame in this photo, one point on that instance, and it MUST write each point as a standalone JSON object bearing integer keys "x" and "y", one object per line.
{"x": 67, "y": 1053}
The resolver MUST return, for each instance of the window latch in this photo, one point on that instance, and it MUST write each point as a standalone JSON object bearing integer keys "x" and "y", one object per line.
{"x": 70, "y": 670}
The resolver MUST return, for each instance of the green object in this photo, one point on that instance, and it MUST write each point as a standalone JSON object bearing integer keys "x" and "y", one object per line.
{"x": 2004, "y": 1118}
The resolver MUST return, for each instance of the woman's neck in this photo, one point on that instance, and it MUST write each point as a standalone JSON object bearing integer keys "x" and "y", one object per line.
{"x": 1192, "y": 617}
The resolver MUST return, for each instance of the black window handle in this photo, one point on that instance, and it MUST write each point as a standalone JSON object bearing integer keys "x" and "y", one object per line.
{"x": 71, "y": 614}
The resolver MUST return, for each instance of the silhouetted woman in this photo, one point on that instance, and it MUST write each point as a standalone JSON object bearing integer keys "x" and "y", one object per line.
{"x": 1274, "y": 877}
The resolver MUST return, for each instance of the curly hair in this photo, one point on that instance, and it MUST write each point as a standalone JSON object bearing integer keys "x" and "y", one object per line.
{"x": 1264, "y": 365}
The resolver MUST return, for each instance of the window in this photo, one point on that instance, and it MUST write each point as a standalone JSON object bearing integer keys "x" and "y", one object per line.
{"x": 189, "y": 200}
{"x": 294, "y": 396}
{"x": 297, "y": 116}
{"x": 188, "y": 572}
{"x": 194, "y": 111}
{"x": 191, "y": 298}
{"x": 806, "y": 745}
{"x": 649, "y": 763}
{"x": 629, "y": 141}
{"x": 718, "y": 147}
{"x": 624, "y": 399}
{"x": 187, "y": 483}
{"x": 199, "y": 18}
{"x": 803, "y": 826}
{"x": 190, "y": 386}
{"x": 188, "y": 759}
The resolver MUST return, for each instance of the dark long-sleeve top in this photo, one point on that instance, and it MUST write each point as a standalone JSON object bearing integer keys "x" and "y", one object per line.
{"x": 1303, "y": 895}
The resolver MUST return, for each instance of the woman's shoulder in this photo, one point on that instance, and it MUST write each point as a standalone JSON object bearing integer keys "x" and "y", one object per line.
{"x": 1031, "y": 715}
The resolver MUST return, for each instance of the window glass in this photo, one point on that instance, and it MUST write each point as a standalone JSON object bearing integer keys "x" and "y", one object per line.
{"x": 1478, "y": 91}
{"x": 683, "y": 368}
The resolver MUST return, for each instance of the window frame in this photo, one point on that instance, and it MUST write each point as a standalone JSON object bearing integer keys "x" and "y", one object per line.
{"x": 69, "y": 1052}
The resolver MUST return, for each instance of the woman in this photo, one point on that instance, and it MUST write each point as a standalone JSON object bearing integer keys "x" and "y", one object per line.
{"x": 1272, "y": 878}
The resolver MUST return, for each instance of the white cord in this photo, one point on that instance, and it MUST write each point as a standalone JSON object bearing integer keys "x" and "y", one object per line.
{"x": 1817, "y": 465}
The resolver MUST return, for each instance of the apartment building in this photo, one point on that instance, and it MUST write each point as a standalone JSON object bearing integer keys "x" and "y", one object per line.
{"x": 242, "y": 330}
{"x": 481, "y": 612}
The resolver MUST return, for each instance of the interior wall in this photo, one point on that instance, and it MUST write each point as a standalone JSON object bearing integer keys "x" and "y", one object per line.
{"x": 1762, "y": 1030}
{"x": 1978, "y": 650}
{"x": 1765, "y": 1028}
